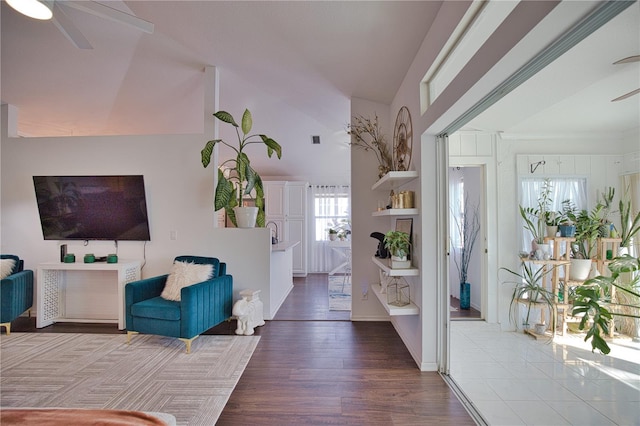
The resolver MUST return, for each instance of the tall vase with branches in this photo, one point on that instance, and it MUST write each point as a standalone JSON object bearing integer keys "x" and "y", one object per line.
{"x": 468, "y": 228}
{"x": 366, "y": 134}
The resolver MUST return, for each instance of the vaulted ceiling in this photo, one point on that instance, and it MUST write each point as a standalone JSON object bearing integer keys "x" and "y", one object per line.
{"x": 310, "y": 57}
{"x": 307, "y": 53}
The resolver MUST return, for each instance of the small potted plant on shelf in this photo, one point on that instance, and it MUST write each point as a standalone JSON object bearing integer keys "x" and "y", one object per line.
{"x": 333, "y": 234}
{"x": 535, "y": 218}
{"x": 584, "y": 247}
{"x": 242, "y": 180}
{"x": 398, "y": 244}
{"x": 567, "y": 220}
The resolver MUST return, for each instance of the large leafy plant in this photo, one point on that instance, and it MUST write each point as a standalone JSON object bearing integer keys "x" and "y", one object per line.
{"x": 242, "y": 180}
{"x": 594, "y": 303}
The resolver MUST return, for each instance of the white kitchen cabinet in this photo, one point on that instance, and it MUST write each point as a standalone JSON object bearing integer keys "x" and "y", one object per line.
{"x": 286, "y": 206}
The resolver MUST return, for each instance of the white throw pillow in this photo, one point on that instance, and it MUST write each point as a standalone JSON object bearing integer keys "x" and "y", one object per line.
{"x": 6, "y": 266}
{"x": 184, "y": 274}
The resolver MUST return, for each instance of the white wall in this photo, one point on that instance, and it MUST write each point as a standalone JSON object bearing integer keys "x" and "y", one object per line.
{"x": 364, "y": 201}
{"x": 169, "y": 165}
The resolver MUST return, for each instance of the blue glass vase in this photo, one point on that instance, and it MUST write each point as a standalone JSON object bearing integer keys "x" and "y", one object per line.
{"x": 465, "y": 295}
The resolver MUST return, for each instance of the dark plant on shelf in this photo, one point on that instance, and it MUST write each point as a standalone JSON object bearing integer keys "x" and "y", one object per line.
{"x": 594, "y": 303}
{"x": 242, "y": 180}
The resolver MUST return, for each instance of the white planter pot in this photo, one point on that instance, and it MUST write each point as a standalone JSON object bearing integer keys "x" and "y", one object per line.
{"x": 246, "y": 216}
{"x": 400, "y": 262}
{"x": 580, "y": 269}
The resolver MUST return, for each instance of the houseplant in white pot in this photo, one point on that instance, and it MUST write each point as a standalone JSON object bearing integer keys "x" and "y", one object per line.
{"x": 584, "y": 248}
{"x": 535, "y": 218}
{"x": 242, "y": 180}
{"x": 398, "y": 244}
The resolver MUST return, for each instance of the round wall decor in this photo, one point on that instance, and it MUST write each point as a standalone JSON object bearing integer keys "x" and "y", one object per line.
{"x": 402, "y": 140}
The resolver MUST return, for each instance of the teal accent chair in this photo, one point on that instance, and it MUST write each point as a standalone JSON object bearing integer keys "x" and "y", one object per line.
{"x": 202, "y": 305}
{"x": 16, "y": 293}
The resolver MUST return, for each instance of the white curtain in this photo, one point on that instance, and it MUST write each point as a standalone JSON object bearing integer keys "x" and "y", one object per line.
{"x": 574, "y": 189}
{"x": 331, "y": 204}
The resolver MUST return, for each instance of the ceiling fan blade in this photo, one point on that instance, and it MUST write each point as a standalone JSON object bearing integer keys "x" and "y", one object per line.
{"x": 635, "y": 58}
{"x": 627, "y": 95}
{"x": 68, "y": 29}
{"x": 110, "y": 13}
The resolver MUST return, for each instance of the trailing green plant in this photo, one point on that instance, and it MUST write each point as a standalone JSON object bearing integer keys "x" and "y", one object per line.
{"x": 397, "y": 242}
{"x": 529, "y": 290}
{"x": 243, "y": 180}
{"x": 468, "y": 227}
{"x": 594, "y": 303}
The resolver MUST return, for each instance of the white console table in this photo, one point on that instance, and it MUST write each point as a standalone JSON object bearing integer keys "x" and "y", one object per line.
{"x": 83, "y": 292}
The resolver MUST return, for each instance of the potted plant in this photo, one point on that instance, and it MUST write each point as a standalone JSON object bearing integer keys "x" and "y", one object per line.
{"x": 529, "y": 290}
{"x": 535, "y": 217}
{"x": 242, "y": 180}
{"x": 552, "y": 220}
{"x": 584, "y": 247}
{"x": 333, "y": 233}
{"x": 398, "y": 244}
{"x": 606, "y": 203}
{"x": 629, "y": 226}
{"x": 567, "y": 220}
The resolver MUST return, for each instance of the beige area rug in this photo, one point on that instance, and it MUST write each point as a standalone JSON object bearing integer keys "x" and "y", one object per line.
{"x": 153, "y": 373}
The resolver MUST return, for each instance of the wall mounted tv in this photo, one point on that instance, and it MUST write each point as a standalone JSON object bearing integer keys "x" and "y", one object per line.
{"x": 92, "y": 207}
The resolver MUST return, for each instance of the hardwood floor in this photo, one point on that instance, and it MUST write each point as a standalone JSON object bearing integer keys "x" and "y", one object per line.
{"x": 462, "y": 314}
{"x": 313, "y": 366}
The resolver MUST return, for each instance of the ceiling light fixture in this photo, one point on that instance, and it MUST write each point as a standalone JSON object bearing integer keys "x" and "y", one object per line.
{"x": 36, "y": 9}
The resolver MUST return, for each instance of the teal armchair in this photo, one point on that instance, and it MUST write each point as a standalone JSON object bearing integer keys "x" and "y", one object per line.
{"x": 16, "y": 292}
{"x": 202, "y": 305}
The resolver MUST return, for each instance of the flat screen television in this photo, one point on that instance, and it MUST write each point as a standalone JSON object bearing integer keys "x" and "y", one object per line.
{"x": 92, "y": 207}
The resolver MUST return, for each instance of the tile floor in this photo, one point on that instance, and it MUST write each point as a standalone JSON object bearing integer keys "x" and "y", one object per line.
{"x": 513, "y": 379}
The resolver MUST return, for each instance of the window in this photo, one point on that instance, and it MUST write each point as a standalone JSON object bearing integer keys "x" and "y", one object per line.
{"x": 574, "y": 189}
{"x": 331, "y": 206}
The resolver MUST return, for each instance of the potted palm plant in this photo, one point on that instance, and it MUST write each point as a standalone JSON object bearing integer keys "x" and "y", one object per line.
{"x": 242, "y": 180}
{"x": 530, "y": 291}
{"x": 398, "y": 244}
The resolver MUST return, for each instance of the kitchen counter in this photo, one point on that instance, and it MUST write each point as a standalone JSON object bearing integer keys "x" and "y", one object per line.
{"x": 284, "y": 245}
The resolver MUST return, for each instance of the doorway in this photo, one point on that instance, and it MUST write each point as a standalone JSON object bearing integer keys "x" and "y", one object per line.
{"x": 467, "y": 263}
